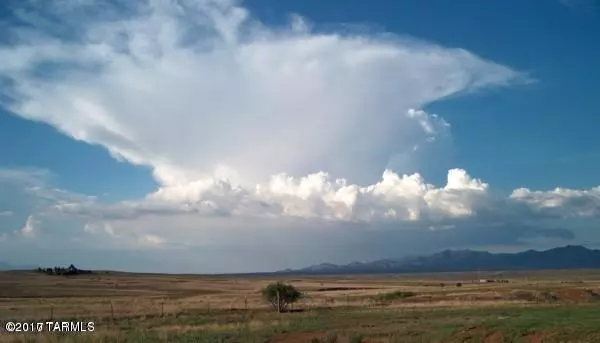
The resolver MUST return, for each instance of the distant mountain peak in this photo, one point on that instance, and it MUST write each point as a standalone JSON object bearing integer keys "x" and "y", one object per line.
{"x": 565, "y": 257}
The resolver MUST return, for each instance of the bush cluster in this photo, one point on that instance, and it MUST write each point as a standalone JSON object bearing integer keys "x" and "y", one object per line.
{"x": 70, "y": 270}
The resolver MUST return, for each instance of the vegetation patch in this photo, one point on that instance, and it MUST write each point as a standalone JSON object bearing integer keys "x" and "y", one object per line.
{"x": 140, "y": 308}
{"x": 336, "y": 289}
{"x": 391, "y": 296}
{"x": 70, "y": 270}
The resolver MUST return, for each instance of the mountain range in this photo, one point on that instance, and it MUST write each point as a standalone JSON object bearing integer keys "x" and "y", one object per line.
{"x": 567, "y": 257}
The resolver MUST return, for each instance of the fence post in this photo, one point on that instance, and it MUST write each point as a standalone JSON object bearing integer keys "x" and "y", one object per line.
{"x": 278, "y": 303}
{"x": 112, "y": 312}
{"x": 162, "y": 308}
{"x": 245, "y": 302}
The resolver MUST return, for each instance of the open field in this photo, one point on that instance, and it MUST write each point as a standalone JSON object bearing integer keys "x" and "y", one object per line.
{"x": 537, "y": 306}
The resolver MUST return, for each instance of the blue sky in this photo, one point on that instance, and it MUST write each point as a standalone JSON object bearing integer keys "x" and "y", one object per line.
{"x": 173, "y": 134}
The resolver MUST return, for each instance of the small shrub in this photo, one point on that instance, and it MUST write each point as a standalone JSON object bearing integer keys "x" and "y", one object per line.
{"x": 280, "y": 295}
{"x": 523, "y": 295}
{"x": 331, "y": 338}
{"x": 356, "y": 338}
{"x": 593, "y": 295}
{"x": 546, "y": 296}
{"x": 543, "y": 296}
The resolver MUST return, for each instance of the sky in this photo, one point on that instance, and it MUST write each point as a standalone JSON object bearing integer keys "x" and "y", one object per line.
{"x": 221, "y": 136}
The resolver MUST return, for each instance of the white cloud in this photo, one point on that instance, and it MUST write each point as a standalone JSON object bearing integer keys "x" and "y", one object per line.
{"x": 394, "y": 197}
{"x": 105, "y": 228}
{"x": 6, "y": 213}
{"x": 152, "y": 240}
{"x": 196, "y": 89}
{"x": 122, "y": 235}
{"x": 317, "y": 218}
{"x": 29, "y": 229}
{"x": 399, "y": 198}
{"x": 561, "y": 202}
{"x": 31, "y": 177}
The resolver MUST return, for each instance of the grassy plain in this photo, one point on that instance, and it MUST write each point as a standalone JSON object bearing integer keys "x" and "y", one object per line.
{"x": 536, "y": 306}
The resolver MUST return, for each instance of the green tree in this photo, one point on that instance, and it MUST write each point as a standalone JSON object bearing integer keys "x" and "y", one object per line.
{"x": 281, "y": 295}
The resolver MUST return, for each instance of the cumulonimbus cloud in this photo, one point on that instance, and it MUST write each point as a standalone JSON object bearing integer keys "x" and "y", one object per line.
{"x": 240, "y": 120}
{"x": 201, "y": 88}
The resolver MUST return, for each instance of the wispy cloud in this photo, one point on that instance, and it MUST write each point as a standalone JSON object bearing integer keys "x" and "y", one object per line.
{"x": 25, "y": 175}
{"x": 586, "y": 5}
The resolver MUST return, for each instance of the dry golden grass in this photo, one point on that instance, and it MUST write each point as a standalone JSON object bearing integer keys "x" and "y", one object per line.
{"x": 181, "y": 304}
{"x": 31, "y": 295}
